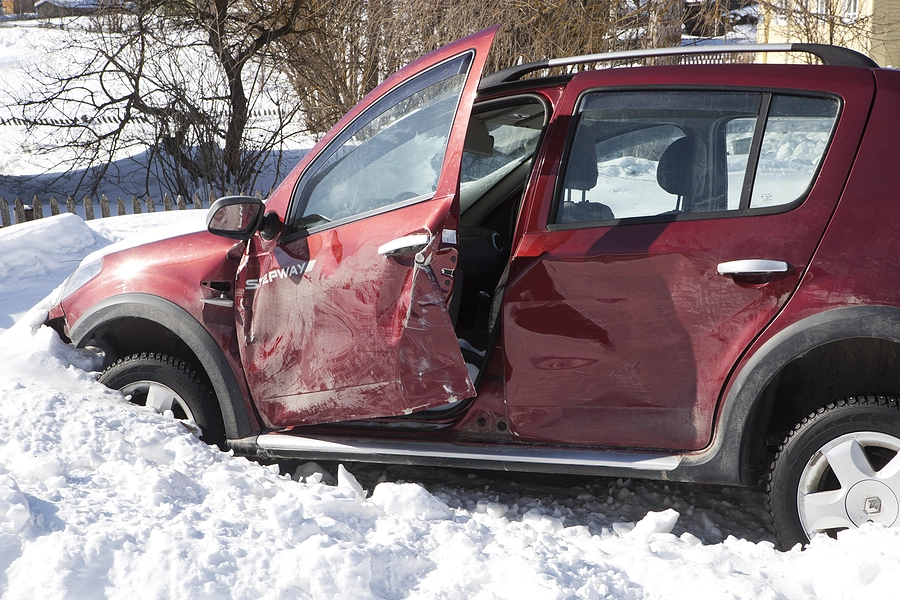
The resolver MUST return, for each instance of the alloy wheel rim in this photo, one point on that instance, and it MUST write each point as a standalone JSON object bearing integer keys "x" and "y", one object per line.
{"x": 852, "y": 480}
{"x": 159, "y": 397}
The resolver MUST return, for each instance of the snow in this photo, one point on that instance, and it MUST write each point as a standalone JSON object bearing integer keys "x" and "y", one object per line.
{"x": 103, "y": 499}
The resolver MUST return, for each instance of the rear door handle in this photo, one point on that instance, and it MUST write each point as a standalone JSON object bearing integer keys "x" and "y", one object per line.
{"x": 753, "y": 266}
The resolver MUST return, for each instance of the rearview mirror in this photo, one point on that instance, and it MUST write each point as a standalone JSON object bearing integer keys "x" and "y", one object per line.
{"x": 235, "y": 217}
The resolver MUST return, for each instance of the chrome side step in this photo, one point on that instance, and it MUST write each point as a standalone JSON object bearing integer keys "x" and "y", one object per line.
{"x": 510, "y": 457}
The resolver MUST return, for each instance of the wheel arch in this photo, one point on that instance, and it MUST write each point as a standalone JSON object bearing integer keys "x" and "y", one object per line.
{"x": 843, "y": 347}
{"x": 114, "y": 320}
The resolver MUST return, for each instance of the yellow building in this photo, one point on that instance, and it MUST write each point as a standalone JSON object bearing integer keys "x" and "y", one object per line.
{"x": 16, "y": 7}
{"x": 869, "y": 26}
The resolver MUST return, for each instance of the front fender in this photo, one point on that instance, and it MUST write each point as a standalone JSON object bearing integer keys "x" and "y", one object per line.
{"x": 235, "y": 411}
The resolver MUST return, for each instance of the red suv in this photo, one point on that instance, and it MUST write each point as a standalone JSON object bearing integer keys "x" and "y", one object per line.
{"x": 682, "y": 272}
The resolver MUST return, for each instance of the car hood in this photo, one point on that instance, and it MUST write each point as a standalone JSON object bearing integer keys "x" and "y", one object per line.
{"x": 158, "y": 234}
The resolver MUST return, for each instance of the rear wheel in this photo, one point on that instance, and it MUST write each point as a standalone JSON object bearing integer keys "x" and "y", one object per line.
{"x": 166, "y": 383}
{"x": 838, "y": 469}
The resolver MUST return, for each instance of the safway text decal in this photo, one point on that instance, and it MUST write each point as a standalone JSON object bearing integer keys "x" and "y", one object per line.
{"x": 294, "y": 271}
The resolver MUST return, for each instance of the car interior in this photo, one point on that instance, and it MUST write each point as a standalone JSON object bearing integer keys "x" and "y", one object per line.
{"x": 500, "y": 143}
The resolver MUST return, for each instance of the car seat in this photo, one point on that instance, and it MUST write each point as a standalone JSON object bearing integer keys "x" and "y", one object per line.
{"x": 682, "y": 170}
{"x": 582, "y": 174}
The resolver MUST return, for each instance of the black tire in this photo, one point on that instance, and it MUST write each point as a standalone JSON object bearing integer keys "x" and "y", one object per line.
{"x": 173, "y": 384}
{"x": 830, "y": 472}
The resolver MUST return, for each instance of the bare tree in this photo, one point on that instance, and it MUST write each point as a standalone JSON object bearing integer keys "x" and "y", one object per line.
{"x": 664, "y": 22}
{"x": 837, "y": 22}
{"x": 180, "y": 77}
{"x": 358, "y": 43}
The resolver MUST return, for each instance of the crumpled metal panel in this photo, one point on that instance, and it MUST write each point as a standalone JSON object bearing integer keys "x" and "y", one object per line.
{"x": 332, "y": 331}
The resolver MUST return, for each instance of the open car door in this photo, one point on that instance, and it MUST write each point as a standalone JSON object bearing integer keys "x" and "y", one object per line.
{"x": 345, "y": 316}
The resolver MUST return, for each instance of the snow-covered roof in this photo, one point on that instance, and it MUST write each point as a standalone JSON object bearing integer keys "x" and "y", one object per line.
{"x": 72, "y": 4}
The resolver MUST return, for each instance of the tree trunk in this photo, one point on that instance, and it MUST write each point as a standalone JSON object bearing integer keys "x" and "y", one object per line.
{"x": 664, "y": 23}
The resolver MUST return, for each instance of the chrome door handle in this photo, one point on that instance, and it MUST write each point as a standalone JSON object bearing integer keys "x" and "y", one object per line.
{"x": 753, "y": 266}
{"x": 404, "y": 245}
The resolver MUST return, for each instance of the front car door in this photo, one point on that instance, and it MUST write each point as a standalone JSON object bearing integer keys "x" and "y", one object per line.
{"x": 344, "y": 316}
{"x": 682, "y": 219}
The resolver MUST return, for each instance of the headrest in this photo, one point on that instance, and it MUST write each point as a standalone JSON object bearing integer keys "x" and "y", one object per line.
{"x": 478, "y": 140}
{"x": 682, "y": 167}
{"x": 581, "y": 173}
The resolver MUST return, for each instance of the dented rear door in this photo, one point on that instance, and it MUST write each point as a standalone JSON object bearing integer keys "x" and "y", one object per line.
{"x": 345, "y": 315}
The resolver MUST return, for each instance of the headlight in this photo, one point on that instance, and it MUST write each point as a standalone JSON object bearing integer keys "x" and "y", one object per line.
{"x": 84, "y": 273}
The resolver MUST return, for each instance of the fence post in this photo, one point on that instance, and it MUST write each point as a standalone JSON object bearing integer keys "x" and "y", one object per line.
{"x": 120, "y": 206}
{"x": 38, "y": 208}
{"x": 4, "y": 212}
{"x": 167, "y": 202}
{"x": 104, "y": 206}
{"x": 88, "y": 208}
{"x": 54, "y": 205}
{"x": 198, "y": 201}
{"x": 151, "y": 205}
{"x": 70, "y": 205}
{"x": 135, "y": 205}
{"x": 19, "y": 210}
{"x": 179, "y": 200}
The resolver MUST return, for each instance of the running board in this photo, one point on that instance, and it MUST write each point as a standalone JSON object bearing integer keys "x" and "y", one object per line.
{"x": 506, "y": 457}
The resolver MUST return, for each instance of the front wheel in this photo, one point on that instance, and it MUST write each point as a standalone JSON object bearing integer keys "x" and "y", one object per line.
{"x": 838, "y": 469}
{"x": 168, "y": 383}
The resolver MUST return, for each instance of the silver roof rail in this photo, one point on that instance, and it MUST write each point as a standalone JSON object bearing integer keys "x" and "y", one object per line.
{"x": 829, "y": 55}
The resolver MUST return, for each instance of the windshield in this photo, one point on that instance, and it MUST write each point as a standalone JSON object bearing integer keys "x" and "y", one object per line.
{"x": 499, "y": 139}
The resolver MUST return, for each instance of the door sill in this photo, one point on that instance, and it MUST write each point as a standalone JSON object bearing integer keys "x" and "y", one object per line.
{"x": 505, "y": 457}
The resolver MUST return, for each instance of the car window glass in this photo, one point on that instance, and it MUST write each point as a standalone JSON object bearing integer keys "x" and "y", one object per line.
{"x": 392, "y": 153}
{"x": 625, "y": 177}
{"x": 796, "y": 135}
{"x": 659, "y": 153}
{"x": 640, "y": 154}
{"x": 498, "y": 140}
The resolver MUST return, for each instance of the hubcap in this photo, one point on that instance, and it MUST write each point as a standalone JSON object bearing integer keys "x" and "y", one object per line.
{"x": 159, "y": 397}
{"x": 852, "y": 480}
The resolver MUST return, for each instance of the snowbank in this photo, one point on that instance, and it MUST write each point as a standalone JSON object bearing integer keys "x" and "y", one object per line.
{"x": 102, "y": 499}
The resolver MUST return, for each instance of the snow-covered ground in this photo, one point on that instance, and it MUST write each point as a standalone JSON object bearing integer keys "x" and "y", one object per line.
{"x": 102, "y": 499}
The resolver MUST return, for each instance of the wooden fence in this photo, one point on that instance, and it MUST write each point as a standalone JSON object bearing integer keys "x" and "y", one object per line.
{"x": 22, "y": 212}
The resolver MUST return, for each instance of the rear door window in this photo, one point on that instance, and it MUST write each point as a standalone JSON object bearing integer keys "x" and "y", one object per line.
{"x": 672, "y": 154}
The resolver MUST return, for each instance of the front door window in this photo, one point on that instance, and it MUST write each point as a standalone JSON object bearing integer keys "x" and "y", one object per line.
{"x": 390, "y": 155}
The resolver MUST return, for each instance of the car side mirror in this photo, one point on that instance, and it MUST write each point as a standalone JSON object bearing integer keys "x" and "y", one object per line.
{"x": 235, "y": 217}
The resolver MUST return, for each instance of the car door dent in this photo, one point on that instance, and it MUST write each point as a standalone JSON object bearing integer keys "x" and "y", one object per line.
{"x": 301, "y": 386}
{"x": 364, "y": 336}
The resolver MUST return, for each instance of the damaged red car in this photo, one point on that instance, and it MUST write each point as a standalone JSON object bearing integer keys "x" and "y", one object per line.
{"x": 683, "y": 272}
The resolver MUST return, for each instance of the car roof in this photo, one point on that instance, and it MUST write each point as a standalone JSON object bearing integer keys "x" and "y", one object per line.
{"x": 827, "y": 54}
